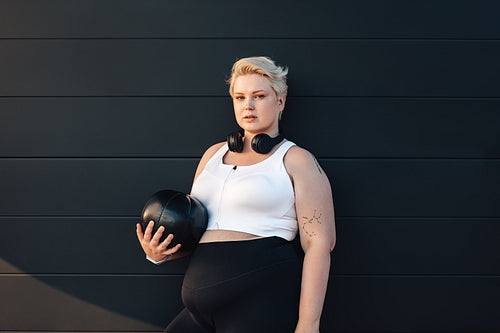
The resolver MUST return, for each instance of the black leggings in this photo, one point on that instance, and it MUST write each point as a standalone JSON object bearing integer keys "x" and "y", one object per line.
{"x": 240, "y": 286}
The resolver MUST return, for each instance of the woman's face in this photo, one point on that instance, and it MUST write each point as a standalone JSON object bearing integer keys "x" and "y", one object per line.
{"x": 256, "y": 105}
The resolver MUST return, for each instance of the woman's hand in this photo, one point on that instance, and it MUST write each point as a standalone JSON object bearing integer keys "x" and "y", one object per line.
{"x": 152, "y": 246}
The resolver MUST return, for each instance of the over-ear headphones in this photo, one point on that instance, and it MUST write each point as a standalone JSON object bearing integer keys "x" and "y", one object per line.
{"x": 261, "y": 143}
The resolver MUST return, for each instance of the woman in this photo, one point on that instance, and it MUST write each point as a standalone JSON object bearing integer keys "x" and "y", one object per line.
{"x": 244, "y": 276}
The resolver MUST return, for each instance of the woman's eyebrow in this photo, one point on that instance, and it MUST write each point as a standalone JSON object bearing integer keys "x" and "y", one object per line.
{"x": 253, "y": 92}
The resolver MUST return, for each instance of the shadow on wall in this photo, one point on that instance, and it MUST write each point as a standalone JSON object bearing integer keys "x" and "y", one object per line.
{"x": 83, "y": 303}
{"x": 87, "y": 282}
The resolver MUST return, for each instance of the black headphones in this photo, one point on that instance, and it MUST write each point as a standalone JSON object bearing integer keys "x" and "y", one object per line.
{"x": 261, "y": 143}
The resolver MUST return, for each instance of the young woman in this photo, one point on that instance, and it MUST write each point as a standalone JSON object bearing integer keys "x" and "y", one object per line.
{"x": 260, "y": 191}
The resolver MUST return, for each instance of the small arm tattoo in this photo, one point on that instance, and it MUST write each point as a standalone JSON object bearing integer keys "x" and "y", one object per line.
{"x": 309, "y": 221}
{"x": 317, "y": 164}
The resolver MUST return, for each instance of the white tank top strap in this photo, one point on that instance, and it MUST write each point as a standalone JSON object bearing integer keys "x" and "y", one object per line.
{"x": 276, "y": 158}
{"x": 280, "y": 153}
{"x": 216, "y": 158}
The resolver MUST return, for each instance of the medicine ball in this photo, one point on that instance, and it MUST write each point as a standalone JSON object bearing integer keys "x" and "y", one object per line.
{"x": 181, "y": 214}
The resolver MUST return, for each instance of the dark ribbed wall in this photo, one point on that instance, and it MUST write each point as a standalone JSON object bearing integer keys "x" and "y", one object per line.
{"x": 103, "y": 103}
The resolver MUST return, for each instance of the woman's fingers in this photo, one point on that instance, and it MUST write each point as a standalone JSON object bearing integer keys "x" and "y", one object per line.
{"x": 151, "y": 243}
{"x": 148, "y": 231}
{"x": 174, "y": 249}
{"x": 171, "y": 251}
{"x": 139, "y": 232}
{"x": 166, "y": 242}
{"x": 155, "y": 241}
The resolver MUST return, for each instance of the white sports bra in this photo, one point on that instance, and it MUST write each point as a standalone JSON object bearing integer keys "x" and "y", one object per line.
{"x": 257, "y": 199}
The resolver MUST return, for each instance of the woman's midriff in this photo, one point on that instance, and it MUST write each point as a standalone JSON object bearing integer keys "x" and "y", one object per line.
{"x": 225, "y": 236}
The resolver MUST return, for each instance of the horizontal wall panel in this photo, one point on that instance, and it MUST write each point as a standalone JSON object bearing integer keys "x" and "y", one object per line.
{"x": 198, "y": 67}
{"x": 117, "y": 187}
{"x": 316, "y": 19}
{"x": 84, "y": 245}
{"x": 331, "y": 127}
{"x": 416, "y": 246}
{"x": 135, "y": 127}
{"x": 184, "y": 127}
{"x": 361, "y": 187}
{"x": 364, "y": 246}
{"x": 353, "y": 304}
{"x": 433, "y": 188}
{"x": 411, "y": 304}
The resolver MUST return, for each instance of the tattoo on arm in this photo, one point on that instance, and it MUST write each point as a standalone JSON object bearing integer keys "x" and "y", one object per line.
{"x": 317, "y": 164}
{"x": 311, "y": 220}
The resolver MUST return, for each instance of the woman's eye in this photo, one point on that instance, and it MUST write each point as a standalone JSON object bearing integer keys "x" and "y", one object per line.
{"x": 239, "y": 97}
{"x": 260, "y": 96}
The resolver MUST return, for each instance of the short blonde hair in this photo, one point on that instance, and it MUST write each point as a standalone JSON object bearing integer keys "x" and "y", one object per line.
{"x": 263, "y": 66}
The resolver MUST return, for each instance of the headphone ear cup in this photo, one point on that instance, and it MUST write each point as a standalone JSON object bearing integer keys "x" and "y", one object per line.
{"x": 235, "y": 142}
{"x": 261, "y": 143}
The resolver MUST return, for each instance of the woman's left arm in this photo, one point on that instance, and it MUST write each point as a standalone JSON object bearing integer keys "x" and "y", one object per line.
{"x": 316, "y": 222}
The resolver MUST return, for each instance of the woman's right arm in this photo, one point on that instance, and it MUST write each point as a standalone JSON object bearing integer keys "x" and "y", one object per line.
{"x": 151, "y": 243}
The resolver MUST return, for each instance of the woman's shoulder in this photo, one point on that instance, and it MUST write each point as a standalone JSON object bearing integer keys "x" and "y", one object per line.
{"x": 297, "y": 155}
{"x": 212, "y": 150}
{"x": 298, "y": 159}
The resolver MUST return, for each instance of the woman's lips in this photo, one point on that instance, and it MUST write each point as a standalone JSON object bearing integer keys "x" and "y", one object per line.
{"x": 249, "y": 118}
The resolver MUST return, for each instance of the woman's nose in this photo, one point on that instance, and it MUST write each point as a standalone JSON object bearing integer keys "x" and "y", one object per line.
{"x": 249, "y": 105}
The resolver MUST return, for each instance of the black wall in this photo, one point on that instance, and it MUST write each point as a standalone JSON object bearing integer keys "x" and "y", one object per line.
{"x": 103, "y": 103}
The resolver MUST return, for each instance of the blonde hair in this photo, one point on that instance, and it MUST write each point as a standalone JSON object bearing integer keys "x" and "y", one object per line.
{"x": 263, "y": 66}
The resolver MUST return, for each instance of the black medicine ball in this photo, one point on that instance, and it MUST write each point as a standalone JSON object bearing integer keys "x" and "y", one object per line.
{"x": 181, "y": 214}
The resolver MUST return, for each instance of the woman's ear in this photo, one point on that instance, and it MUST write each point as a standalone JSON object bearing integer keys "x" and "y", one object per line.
{"x": 281, "y": 102}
